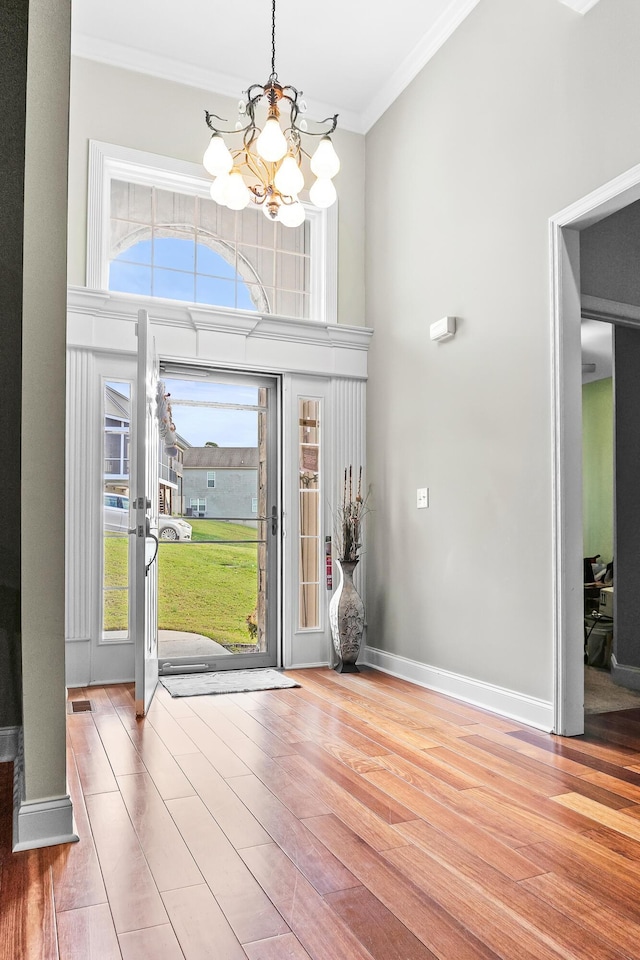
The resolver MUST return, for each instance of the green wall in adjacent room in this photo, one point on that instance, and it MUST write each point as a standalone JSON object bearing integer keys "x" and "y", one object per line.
{"x": 597, "y": 460}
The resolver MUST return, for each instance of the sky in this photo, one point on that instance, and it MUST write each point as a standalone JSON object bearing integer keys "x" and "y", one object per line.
{"x": 179, "y": 270}
{"x": 184, "y": 270}
{"x": 227, "y": 428}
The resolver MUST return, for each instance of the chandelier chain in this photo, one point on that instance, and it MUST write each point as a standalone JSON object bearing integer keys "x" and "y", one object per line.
{"x": 273, "y": 38}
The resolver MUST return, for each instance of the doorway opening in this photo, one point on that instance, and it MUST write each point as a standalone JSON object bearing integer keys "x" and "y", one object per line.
{"x": 219, "y": 529}
{"x": 569, "y": 305}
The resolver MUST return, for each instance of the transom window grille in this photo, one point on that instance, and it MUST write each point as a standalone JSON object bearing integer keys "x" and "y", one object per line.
{"x": 183, "y": 247}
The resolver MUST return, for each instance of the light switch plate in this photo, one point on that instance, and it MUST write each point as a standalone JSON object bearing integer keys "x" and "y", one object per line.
{"x": 423, "y": 498}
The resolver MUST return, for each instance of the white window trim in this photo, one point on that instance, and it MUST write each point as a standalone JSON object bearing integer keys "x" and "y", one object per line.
{"x": 111, "y": 162}
{"x": 211, "y": 475}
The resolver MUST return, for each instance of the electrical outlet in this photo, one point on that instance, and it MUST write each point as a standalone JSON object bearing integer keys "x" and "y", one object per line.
{"x": 422, "y": 498}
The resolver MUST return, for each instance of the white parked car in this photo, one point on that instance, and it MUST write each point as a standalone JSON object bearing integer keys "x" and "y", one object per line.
{"x": 173, "y": 528}
{"x": 116, "y": 519}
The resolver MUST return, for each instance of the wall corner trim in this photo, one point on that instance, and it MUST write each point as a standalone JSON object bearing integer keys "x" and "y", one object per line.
{"x": 39, "y": 823}
{"x": 507, "y": 703}
{"x": 580, "y": 6}
{"x": 9, "y": 743}
{"x": 44, "y": 823}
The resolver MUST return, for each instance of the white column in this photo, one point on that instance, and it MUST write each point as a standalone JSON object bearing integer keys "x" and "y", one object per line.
{"x": 44, "y": 814}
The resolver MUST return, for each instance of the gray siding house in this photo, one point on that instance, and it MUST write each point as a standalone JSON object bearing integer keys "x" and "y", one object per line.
{"x": 221, "y": 482}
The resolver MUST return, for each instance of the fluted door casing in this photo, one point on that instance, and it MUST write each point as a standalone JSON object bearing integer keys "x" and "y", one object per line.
{"x": 346, "y": 616}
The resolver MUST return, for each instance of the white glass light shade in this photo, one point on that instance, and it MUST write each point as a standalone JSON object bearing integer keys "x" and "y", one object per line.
{"x": 291, "y": 214}
{"x": 238, "y": 194}
{"x": 271, "y": 144}
{"x": 289, "y": 178}
{"x": 325, "y": 161}
{"x": 218, "y": 189}
{"x": 323, "y": 193}
{"x": 217, "y": 158}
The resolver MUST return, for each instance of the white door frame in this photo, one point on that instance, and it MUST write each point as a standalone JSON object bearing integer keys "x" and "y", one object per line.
{"x": 103, "y": 323}
{"x": 566, "y": 408}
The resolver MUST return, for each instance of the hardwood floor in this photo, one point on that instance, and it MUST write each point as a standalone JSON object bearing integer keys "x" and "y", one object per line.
{"x": 356, "y": 817}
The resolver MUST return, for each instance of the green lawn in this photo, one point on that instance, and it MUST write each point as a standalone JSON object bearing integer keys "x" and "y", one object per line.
{"x": 206, "y": 588}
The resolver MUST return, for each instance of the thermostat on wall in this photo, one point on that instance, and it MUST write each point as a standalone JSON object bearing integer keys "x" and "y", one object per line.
{"x": 443, "y": 329}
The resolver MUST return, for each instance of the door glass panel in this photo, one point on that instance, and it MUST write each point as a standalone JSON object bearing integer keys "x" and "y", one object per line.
{"x": 215, "y": 570}
{"x": 309, "y": 521}
{"x": 115, "y": 510}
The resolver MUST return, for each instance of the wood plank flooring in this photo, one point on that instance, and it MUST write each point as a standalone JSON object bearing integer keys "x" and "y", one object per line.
{"x": 357, "y": 817}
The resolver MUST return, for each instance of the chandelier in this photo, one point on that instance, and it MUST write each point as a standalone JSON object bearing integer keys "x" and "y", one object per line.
{"x": 266, "y": 167}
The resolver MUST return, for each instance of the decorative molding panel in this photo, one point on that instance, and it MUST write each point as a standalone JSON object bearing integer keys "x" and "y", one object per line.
{"x": 105, "y": 322}
{"x": 82, "y": 495}
{"x": 348, "y": 429}
{"x": 507, "y": 703}
{"x": 580, "y": 6}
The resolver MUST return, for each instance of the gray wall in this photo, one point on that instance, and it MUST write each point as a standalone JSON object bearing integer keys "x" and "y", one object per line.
{"x": 524, "y": 110}
{"x": 610, "y": 257}
{"x": 231, "y": 496}
{"x": 167, "y": 118}
{"x": 627, "y": 507}
{"x": 13, "y": 81}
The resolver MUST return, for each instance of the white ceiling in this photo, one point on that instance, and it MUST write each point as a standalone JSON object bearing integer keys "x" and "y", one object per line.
{"x": 353, "y": 58}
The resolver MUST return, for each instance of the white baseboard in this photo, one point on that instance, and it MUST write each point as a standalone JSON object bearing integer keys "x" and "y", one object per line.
{"x": 39, "y": 823}
{"x": 9, "y": 740}
{"x": 624, "y": 674}
{"x": 506, "y": 703}
{"x": 306, "y": 666}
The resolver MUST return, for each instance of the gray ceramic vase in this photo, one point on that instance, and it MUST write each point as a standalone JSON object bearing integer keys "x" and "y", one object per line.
{"x": 346, "y": 617}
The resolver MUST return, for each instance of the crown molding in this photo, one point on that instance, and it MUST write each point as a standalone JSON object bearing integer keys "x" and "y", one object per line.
{"x": 178, "y": 71}
{"x": 411, "y": 66}
{"x": 580, "y": 6}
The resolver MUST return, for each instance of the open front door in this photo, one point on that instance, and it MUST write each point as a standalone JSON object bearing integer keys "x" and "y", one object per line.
{"x": 146, "y": 514}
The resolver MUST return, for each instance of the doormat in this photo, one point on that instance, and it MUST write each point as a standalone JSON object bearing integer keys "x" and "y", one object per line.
{"x": 226, "y": 681}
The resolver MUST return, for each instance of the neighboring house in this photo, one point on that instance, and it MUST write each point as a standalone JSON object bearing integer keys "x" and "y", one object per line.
{"x": 221, "y": 482}
{"x": 170, "y": 473}
{"x": 117, "y": 430}
{"x": 117, "y": 464}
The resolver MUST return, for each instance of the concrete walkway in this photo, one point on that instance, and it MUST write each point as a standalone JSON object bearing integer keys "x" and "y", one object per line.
{"x": 176, "y": 643}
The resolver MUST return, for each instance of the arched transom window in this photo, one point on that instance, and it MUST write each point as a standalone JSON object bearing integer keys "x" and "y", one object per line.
{"x": 182, "y": 247}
